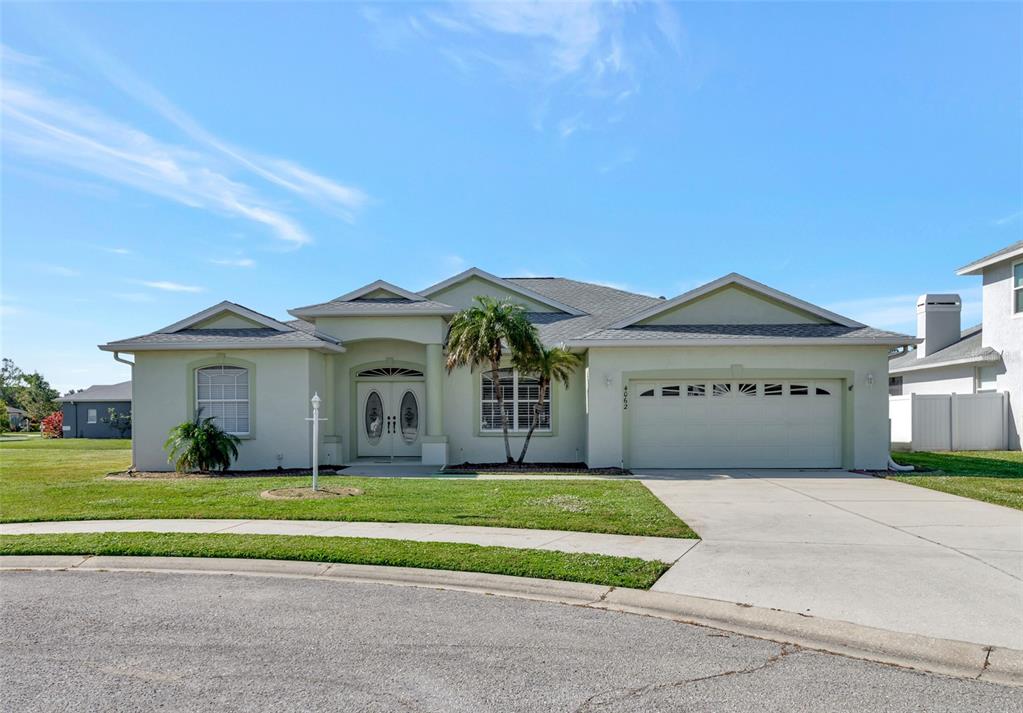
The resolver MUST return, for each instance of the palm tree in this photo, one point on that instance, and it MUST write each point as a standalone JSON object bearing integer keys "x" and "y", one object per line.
{"x": 200, "y": 444}
{"x": 548, "y": 366}
{"x": 478, "y": 336}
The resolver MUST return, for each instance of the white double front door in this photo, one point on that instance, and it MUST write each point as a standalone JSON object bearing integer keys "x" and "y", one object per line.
{"x": 390, "y": 418}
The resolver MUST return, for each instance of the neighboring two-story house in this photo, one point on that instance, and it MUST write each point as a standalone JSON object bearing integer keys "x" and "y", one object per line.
{"x": 987, "y": 357}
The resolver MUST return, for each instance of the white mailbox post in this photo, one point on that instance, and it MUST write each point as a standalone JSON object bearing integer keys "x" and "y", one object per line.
{"x": 315, "y": 400}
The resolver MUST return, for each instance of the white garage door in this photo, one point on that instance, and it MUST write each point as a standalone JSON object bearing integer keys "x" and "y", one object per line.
{"x": 735, "y": 424}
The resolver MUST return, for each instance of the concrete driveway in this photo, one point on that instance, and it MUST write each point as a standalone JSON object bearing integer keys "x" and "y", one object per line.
{"x": 851, "y": 547}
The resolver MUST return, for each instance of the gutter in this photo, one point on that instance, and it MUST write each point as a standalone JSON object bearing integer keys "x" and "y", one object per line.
{"x": 742, "y": 342}
{"x": 119, "y": 358}
{"x": 131, "y": 347}
{"x": 991, "y": 359}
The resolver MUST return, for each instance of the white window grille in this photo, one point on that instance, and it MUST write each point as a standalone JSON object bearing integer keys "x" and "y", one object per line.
{"x": 223, "y": 393}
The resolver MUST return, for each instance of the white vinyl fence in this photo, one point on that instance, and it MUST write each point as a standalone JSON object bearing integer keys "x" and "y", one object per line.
{"x": 949, "y": 422}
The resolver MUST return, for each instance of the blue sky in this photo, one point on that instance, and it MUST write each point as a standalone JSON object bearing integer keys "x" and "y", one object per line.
{"x": 157, "y": 159}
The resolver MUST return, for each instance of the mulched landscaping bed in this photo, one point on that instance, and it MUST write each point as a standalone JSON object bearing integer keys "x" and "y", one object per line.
{"x": 533, "y": 468}
{"x": 267, "y": 473}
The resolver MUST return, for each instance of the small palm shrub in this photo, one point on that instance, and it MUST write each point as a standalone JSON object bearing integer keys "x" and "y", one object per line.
{"x": 200, "y": 444}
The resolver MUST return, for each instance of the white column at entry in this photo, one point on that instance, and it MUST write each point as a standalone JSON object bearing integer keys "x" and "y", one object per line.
{"x": 435, "y": 443}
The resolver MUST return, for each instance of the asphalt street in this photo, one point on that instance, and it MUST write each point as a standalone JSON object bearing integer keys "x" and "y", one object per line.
{"x": 105, "y": 641}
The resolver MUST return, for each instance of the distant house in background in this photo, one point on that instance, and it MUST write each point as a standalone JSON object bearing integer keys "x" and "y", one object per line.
{"x": 977, "y": 372}
{"x": 87, "y": 413}
{"x": 16, "y": 417}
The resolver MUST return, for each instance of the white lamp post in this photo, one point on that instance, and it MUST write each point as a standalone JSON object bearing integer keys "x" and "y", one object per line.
{"x": 315, "y": 400}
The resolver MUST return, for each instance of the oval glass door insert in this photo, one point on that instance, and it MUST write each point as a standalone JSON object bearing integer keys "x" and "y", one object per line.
{"x": 409, "y": 417}
{"x": 374, "y": 417}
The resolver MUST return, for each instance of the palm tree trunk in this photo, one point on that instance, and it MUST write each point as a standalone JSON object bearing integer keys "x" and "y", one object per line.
{"x": 496, "y": 377}
{"x": 535, "y": 420}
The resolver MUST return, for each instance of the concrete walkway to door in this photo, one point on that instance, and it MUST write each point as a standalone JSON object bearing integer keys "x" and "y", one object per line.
{"x": 852, "y": 547}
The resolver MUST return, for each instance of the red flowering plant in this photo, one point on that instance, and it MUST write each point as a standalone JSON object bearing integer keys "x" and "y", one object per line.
{"x": 53, "y": 425}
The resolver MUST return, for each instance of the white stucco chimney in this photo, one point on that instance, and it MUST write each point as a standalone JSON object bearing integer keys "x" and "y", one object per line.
{"x": 937, "y": 322}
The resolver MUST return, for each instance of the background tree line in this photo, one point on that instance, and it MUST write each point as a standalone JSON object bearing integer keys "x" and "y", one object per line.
{"x": 29, "y": 392}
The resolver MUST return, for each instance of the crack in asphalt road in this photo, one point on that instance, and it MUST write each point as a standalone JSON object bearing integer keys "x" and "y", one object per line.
{"x": 618, "y": 695}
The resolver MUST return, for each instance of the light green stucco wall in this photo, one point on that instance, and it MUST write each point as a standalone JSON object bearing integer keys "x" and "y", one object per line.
{"x": 566, "y": 442}
{"x": 228, "y": 320}
{"x": 463, "y": 294}
{"x": 589, "y": 421}
{"x": 865, "y": 437}
{"x": 163, "y": 396}
{"x": 424, "y": 330}
{"x": 734, "y": 305}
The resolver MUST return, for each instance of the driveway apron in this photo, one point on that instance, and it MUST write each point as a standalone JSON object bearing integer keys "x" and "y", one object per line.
{"x": 845, "y": 546}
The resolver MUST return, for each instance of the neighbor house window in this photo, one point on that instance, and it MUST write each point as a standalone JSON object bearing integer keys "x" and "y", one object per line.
{"x": 1017, "y": 288}
{"x": 520, "y": 393}
{"x": 223, "y": 393}
{"x": 895, "y": 386}
{"x": 91, "y": 415}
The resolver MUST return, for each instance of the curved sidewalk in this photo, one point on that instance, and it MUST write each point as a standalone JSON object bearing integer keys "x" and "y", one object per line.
{"x": 663, "y": 549}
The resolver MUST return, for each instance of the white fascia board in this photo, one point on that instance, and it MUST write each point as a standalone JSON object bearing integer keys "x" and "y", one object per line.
{"x": 501, "y": 282}
{"x": 132, "y": 347}
{"x": 369, "y": 312}
{"x": 372, "y": 287}
{"x": 225, "y": 306}
{"x": 982, "y": 359}
{"x": 774, "y": 342}
{"x": 735, "y": 278}
{"x": 976, "y": 268}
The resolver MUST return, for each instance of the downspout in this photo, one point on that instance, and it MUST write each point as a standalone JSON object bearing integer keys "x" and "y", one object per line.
{"x": 892, "y": 465}
{"x": 117, "y": 357}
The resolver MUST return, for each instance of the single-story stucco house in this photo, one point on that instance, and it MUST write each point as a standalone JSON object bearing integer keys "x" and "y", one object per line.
{"x": 87, "y": 412}
{"x": 731, "y": 374}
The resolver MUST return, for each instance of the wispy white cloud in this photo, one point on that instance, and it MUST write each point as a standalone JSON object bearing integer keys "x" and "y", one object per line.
{"x": 587, "y": 50}
{"x": 1006, "y": 220}
{"x": 58, "y": 270}
{"x": 235, "y": 262}
{"x": 168, "y": 286}
{"x": 117, "y": 251}
{"x": 62, "y": 131}
{"x": 569, "y": 125}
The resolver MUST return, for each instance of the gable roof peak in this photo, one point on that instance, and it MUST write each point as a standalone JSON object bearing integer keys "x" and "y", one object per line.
{"x": 221, "y": 308}
{"x": 735, "y": 278}
{"x": 506, "y": 283}
{"x": 379, "y": 285}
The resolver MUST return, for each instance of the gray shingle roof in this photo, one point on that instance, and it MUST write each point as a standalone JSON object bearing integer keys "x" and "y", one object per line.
{"x": 740, "y": 331}
{"x": 608, "y": 305}
{"x": 102, "y": 392}
{"x": 969, "y": 347}
{"x": 249, "y": 338}
{"x": 603, "y": 305}
{"x": 383, "y": 307}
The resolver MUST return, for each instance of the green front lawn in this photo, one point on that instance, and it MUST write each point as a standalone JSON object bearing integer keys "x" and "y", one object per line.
{"x": 595, "y": 569}
{"x": 63, "y": 480}
{"x": 992, "y": 476}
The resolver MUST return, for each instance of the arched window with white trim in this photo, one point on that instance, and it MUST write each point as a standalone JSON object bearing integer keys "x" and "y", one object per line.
{"x": 223, "y": 393}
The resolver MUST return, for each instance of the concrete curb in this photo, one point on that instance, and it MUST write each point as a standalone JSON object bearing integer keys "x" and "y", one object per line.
{"x": 943, "y": 656}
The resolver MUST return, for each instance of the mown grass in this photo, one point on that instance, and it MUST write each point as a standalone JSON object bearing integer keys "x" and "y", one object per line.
{"x": 571, "y": 567}
{"x": 991, "y": 476}
{"x": 63, "y": 480}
